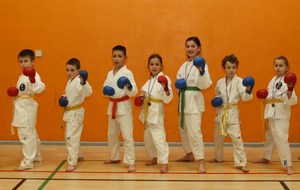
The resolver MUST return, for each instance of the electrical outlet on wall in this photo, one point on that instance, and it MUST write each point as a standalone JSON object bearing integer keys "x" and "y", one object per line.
{"x": 38, "y": 53}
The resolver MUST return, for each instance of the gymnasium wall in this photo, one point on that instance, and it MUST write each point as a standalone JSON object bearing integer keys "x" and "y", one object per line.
{"x": 255, "y": 31}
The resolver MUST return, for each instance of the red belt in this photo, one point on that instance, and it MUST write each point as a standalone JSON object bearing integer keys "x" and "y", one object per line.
{"x": 115, "y": 102}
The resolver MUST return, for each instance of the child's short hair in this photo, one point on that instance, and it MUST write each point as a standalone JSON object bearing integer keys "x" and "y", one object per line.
{"x": 232, "y": 59}
{"x": 281, "y": 57}
{"x": 194, "y": 39}
{"x": 27, "y": 52}
{"x": 155, "y": 55}
{"x": 75, "y": 62}
{"x": 120, "y": 48}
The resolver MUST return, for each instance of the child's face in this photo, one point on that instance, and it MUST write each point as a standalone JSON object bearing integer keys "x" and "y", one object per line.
{"x": 71, "y": 71}
{"x": 25, "y": 62}
{"x": 118, "y": 58}
{"x": 192, "y": 49}
{"x": 280, "y": 67}
{"x": 154, "y": 66}
{"x": 230, "y": 69}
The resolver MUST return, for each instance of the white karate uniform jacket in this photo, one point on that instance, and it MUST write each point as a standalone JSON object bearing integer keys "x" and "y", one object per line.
{"x": 156, "y": 110}
{"x": 25, "y": 110}
{"x": 231, "y": 94}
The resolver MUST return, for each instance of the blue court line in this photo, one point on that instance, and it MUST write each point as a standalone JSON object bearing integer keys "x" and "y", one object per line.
{"x": 51, "y": 175}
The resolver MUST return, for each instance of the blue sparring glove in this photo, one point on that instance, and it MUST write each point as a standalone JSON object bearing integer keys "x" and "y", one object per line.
{"x": 216, "y": 102}
{"x": 248, "y": 81}
{"x": 122, "y": 81}
{"x": 84, "y": 75}
{"x": 200, "y": 62}
{"x": 63, "y": 101}
{"x": 109, "y": 91}
{"x": 180, "y": 84}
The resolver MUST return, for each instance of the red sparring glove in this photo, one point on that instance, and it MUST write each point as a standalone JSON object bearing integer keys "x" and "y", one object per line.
{"x": 290, "y": 79}
{"x": 138, "y": 101}
{"x": 262, "y": 94}
{"x": 30, "y": 72}
{"x": 13, "y": 91}
{"x": 163, "y": 80}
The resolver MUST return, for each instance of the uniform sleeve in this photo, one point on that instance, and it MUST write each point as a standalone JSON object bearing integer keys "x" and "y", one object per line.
{"x": 290, "y": 101}
{"x": 38, "y": 86}
{"x": 242, "y": 91}
{"x": 134, "y": 89}
{"x": 87, "y": 89}
{"x": 204, "y": 81}
{"x": 167, "y": 99}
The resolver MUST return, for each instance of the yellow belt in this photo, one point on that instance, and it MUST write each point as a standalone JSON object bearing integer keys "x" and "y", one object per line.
{"x": 146, "y": 105}
{"x": 24, "y": 96}
{"x": 20, "y": 97}
{"x": 223, "y": 123}
{"x": 76, "y": 107}
{"x": 268, "y": 101}
{"x": 272, "y": 101}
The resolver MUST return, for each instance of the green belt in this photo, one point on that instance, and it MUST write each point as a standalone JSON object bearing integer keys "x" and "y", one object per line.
{"x": 182, "y": 102}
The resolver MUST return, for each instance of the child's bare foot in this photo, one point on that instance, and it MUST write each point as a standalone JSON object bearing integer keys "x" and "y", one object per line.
{"x": 189, "y": 157}
{"x": 131, "y": 168}
{"x": 262, "y": 160}
{"x": 21, "y": 168}
{"x": 243, "y": 169}
{"x": 201, "y": 169}
{"x": 80, "y": 159}
{"x": 214, "y": 160}
{"x": 111, "y": 161}
{"x": 151, "y": 162}
{"x": 289, "y": 170}
{"x": 70, "y": 168}
{"x": 164, "y": 168}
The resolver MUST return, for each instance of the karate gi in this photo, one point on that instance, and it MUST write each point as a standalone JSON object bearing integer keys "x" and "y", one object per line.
{"x": 74, "y": 117}
{"x": 278, "y": 121}
{"x": 123, "y": 122}
{"x": 154, "y": 133}
{"x": 231, "y": 95}
{"x": 191, "y": 135}
{"x": 25, "y": 117}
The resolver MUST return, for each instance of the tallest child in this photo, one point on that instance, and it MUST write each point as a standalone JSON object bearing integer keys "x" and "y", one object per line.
{"x": 192, "y": 77}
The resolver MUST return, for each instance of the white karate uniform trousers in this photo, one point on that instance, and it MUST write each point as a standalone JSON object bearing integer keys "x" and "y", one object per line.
{"x": 72, "y": 137}
{"x": 191, "y": 135}
{"x": 234, "y": 132}
{"x": 155, "y": 142}
{"x": 277, "y": 135}
{"x": 123, "y": 124}
{"x": 30, "y": 146}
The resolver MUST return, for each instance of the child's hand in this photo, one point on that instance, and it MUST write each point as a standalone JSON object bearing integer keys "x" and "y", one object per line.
{"x": 290, "y": 79}
{"x": 83, "y": 74}
{"x": 124, "y": 81}
{"x": 199, "y": 62}
{"x": 248, "y": 82}
{"x": 164, "y": 82}
{"x": 12, "y": 91}
{"x": 30, "y": 72}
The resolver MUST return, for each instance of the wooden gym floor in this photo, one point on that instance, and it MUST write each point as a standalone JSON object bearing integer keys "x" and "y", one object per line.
{"x": 93, "y": 174}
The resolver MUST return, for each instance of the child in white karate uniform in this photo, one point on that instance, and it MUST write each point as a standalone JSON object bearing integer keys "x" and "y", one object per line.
{"x": 25, "y": 109}
{"x": 155, "y": 93}
{"x": 231, "y": 90}
{"x": 121, "y": 85}
{"x": 277, "y": 113}
{"x": 76, "y": 90}
{"x": 191, "y": 104}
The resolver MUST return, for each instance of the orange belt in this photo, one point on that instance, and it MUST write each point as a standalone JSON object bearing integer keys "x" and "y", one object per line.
{"x": 115, "y": 102}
